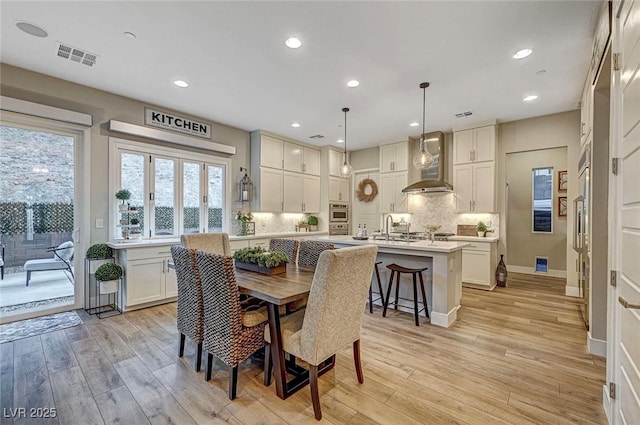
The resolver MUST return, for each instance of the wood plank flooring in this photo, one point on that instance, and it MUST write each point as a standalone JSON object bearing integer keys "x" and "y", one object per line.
{"x": 516, "y": 355}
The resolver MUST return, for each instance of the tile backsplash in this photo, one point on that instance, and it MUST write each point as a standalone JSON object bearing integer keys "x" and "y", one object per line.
{"x": 272, "y": 223}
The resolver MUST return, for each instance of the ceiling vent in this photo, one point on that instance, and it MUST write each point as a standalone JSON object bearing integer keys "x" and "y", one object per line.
{"x": 317, "y": 136}
{"x": 464, "y": 114}
{"x": 77, "y": 55}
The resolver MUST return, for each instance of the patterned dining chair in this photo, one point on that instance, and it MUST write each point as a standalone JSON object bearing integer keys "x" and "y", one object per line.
{"x": 215, "y": 243}
{"x": 310, "y": 251}
{"x": 190, "y": 315}
{"x": 333, "y": 315}
{"x": 288, "y": 246}
{"x": 230, "y": 333}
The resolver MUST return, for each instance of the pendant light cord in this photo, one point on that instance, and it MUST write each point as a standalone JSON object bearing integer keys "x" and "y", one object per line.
{"x": 345, "y": 110}
{"x": 424, "y": 117}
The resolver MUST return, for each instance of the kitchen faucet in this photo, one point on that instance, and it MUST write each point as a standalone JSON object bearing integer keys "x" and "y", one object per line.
{"x": 387, "y": 226}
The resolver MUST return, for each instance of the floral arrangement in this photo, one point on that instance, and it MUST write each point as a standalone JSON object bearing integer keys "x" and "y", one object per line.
{"x": 244, "y": 217}
{"x": 261, "y": 257}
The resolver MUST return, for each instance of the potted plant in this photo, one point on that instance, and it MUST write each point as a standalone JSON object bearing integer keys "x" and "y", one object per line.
{"x": 312, "y": 221}
{"x": 481, "y": 228}
{"x": 108, "y": 275}
{"x": 135, "y": 231}
{"x": 244, "y": 219}
{"x": 123, "y": 195}
{"x": 99, "y": 254}
{"x": 259, "y": 260}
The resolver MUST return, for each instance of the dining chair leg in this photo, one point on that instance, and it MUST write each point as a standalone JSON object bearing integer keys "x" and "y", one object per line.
{"x": 315, "y": 396}
{"x": 233, "y": 382}
{"x": 424, "y": 297}
{"x": 199, "y": 357}
{"x": 386, "y": 301}
{"x": 181, "y": 351}
{"x": 207, "y": 373}
{"x": 397, "y": 290}
{"x": 357, "y": 361}
{"x": 268, "y": 365}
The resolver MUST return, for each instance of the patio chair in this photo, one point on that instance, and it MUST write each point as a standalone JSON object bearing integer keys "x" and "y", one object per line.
{"x": 62, "y": 257}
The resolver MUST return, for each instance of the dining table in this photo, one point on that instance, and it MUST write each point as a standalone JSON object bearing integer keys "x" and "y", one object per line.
{"x": 278, "y": 290}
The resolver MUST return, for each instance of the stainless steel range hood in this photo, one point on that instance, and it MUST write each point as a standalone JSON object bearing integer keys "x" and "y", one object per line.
{"x": 432, "y": 178}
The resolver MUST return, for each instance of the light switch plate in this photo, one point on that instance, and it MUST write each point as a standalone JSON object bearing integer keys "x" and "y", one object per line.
{"x": 99, "y": 223}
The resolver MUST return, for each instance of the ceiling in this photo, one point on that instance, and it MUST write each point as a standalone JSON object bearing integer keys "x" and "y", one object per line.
{"x": 241, "y": 74}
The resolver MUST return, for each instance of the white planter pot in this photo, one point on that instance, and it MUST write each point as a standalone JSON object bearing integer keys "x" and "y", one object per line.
{"x": 109, "y": 286}
{"x": 94, "y": 264}
{"x": 123, "y": 207}
{"x": 481, "y": 234}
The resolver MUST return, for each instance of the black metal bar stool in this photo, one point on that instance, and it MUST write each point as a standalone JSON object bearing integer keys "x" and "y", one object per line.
{"x": 371, "y": 300}
{"x": 396, "y": 270}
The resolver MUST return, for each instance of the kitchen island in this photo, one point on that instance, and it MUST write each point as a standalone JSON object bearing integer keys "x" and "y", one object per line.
{"x": 443, "y": 279}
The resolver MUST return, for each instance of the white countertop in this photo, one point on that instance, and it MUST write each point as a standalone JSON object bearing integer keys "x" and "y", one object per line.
{"x": 474, "y": 238}
{"x": 426, "y": 246}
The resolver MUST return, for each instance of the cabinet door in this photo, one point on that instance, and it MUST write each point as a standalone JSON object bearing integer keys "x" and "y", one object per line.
{"x": 338, "y": 189}
{"x": 484, "y": 187}
{"x": 387, "y": 193}
{"x": 270, "y": 152}
{"x": 263, "y": 243}
{"x": 145, "y": 280}
{"x": 401, "y": 155}
{"x": 462, "y": 146}
{"x": 311, "y": 194}
{"x": 292, "y": 155}
{"x": 463, "y": 185}
{"x": 270, "y": 190}
{"x": 485, "y": 142}
{"x": 387, "y": 158}
{"x": 170, "y": 280}
{"x": 343, "y": 190}
{"x": 292, "y": 192}
{"x": 335, "y": 162}
{"x": 311, "y": 161}
{"x": 400, "y": 198}
{"x": 475, "y": 267}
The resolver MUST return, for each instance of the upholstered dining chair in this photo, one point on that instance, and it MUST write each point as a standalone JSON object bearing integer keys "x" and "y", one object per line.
{"x": 333, "y": 315}
{"x": 288, "y": 246}
{"x": 215, "y": 243}
{"x": 310, "y": 251}
{"x": 230, "y": 333}
{"x": 190, "y": 315}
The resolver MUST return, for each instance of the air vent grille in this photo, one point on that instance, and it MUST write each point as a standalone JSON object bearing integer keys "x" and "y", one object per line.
{"x": 77, "y": 55}
{"x": 464, "y": 114}
{"x": 317, "y": 136}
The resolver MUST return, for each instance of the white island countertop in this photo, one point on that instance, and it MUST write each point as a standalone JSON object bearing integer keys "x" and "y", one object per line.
{"x": 474, "y": 238}
{"x": 415, "y": 246}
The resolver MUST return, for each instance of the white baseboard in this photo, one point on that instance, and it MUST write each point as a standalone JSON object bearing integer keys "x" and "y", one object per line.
{"x": 606, "y": 403}
{"x": 531, "y": 270}
{"x": 444, "y": 320}
{"x": 597, "y": 347}
{"x": 572, "y": 291}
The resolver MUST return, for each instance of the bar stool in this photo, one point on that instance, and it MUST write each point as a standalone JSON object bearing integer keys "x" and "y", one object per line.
{"x": 396, "y": 270}
{"x": 381, "y": 298}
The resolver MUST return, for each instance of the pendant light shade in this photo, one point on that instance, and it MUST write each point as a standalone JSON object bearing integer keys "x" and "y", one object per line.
{"x": 423, "y": 159}
{"x": 346, "y": 170}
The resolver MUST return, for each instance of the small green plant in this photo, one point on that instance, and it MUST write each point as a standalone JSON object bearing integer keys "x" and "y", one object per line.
{"x": 312, "y": 220}
{"x": 481, "y": 227}
{"x": 135, "y": 221}
{"x": 99, "y": 251}
{"x": 123, "y": 195}
{"x": 261, "y": 257}
{"x": 107, "y": 272}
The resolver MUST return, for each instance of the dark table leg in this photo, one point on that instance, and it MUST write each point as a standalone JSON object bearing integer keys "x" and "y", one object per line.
{"x": 277, "y": 355}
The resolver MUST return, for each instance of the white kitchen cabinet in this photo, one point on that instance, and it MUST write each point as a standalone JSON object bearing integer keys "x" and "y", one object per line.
{"x": 339, "y": 189}
{"x": 147, "y": 276}
{"x": 238, "y": 244}
{"x": 301, "y": 193}
{"x": 263, "y": 243}
{"x": 271, "y": 152}
{"x": 270, "y": 189}
{"x": 394, "y": 157}
{"x": 336, "y": 159}
{"x": 479, "y": 261}
{"x": 392, "y": 200}
{"x": 301, "y": 159}
{"x": 474, "y": 145}
{"x": 474, "y": 185}
{"x": 311, "y": 194}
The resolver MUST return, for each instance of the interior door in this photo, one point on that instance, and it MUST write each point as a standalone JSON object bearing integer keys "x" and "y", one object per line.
{"x": 366, "y": 213}
{"x": 627, "y": 228}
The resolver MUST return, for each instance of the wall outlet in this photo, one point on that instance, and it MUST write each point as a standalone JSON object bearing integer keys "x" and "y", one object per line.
{"x": 99, "y": 223}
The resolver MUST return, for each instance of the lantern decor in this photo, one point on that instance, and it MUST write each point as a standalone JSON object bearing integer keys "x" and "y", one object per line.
{"x": 245, "y": 187}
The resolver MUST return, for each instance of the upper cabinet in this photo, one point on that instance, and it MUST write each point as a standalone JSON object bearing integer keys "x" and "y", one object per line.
{"x": 301, "y": 159}
{"x": 474, "y": 145}
{"x": 270, "y": 152}
{"x": 394, "y": 157}
{"x": 338, "y": 189}
{"x": 335, "y": 162}
{"x": 392, "y": 199}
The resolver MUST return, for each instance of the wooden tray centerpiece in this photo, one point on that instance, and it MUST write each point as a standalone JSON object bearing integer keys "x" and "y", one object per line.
{"x": 259, "y": 260}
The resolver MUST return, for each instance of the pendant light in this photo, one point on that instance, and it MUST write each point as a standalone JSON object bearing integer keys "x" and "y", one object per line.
{"x": 423, "y": 159}
{"x": 346, "y": 169}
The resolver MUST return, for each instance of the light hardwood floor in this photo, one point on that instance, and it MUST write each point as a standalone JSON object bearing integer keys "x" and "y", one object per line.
{"x": 516, "y": 355}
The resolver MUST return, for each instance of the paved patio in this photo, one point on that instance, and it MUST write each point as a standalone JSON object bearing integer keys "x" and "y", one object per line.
{"x": 43, "y": 286}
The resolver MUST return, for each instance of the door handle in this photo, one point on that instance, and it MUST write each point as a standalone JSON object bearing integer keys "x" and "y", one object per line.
{"x": 627, "y": 304}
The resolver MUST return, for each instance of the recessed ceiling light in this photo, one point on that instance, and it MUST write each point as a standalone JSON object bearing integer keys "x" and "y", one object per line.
{"x": 339, "y": 141}
{"x": 293, "y": 43}
{"x": 353, "y": 83}
{"x": 530, "y": 98}
{"x": 31, "y": 29}
{"x": 295, "y": 124}
{"x": 414, "y": 124}
{"x": 522, "y": 53}
{"x": 181, "y": 83}
{"x": 129, "y": 35}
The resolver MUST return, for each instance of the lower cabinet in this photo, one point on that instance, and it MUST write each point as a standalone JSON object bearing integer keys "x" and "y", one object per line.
{"x": 246, "y": 243}
{"x": 479, "y": 261}
{"x": 147, "y": 276}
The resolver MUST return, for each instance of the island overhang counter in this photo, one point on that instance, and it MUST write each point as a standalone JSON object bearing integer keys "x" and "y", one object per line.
{"x": 443, "y": 279}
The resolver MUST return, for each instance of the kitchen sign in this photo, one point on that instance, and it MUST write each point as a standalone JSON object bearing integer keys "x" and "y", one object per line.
{"x": 167, "y": 121}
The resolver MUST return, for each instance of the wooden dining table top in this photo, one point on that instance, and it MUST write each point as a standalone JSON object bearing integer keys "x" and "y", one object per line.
{"x": 277, "y": 289}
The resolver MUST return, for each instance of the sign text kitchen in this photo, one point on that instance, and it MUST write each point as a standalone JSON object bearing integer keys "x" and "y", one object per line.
{"x": 172, "y": 122}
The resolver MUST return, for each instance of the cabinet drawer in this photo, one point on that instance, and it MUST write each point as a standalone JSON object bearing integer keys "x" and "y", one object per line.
{"x": 259, "y": 242}
{"x": 149, "y": 252}
{"x": 477, "y": 246}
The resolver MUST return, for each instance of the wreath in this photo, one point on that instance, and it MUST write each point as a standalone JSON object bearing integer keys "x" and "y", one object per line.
{"x": 362, "y": 194}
